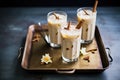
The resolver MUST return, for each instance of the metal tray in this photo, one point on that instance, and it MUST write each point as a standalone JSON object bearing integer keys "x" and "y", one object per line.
{"x": 33, "y": 51}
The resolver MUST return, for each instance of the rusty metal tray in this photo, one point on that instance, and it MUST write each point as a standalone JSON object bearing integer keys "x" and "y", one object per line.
{"x": 33, "y": 51}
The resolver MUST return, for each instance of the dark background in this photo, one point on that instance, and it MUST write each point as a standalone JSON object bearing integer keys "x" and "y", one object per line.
{"x": 39, "y": 3}
{"x": 14, "y": 23}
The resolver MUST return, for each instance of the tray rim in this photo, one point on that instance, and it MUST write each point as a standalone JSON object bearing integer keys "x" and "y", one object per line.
{"x": 32, "y": 27}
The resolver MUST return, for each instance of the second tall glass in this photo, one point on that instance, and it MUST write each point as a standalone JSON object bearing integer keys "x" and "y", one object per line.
{"x": 88, "y": 18}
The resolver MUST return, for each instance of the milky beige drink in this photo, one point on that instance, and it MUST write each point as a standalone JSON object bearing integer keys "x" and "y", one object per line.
{"x": 71, "y": 42}
{"x": 56, "y": 19}
{"x": 88, "y": 26}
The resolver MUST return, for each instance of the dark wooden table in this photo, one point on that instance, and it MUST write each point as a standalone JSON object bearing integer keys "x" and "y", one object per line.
{"x": 14, "y": 23}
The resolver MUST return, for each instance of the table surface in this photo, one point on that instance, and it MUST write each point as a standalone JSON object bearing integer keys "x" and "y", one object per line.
{"x": 14, "y": 23}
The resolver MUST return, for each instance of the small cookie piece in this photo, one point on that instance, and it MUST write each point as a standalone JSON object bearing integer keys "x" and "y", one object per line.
{"x": 36, "y": 38}
{"x": 86, "y": 58}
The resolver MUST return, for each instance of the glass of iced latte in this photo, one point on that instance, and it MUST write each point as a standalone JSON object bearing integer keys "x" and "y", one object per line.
{"x": 88, "y": 19}
{"x": 71, "y": 42}
{"x": 56, "y": 20}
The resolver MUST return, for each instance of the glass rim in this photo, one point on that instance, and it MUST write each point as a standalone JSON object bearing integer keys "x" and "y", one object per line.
{"x": 56, "y": 11}
{"x": 86, "y": 8}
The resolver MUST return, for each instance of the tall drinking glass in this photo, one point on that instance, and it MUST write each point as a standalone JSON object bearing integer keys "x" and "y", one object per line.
{"x": 88, "y": 17}
{"x": 56, "y": 19}
{"x": 71, "y": 43}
